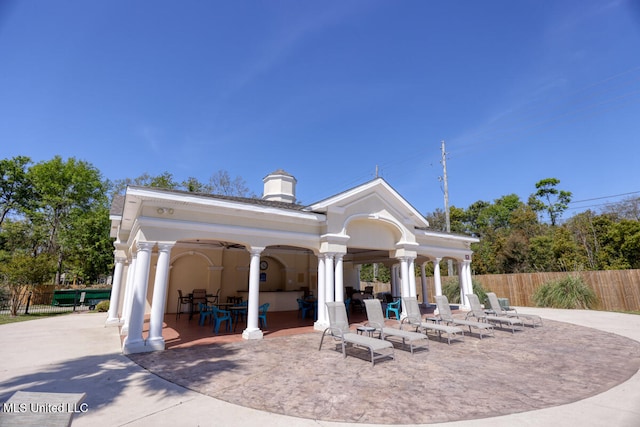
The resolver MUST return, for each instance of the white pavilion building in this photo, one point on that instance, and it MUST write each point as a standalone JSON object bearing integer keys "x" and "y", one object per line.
{"x": 264, "y": 249}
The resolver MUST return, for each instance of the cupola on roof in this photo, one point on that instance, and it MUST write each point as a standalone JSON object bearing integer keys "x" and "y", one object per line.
{"x": 279, "y": 186}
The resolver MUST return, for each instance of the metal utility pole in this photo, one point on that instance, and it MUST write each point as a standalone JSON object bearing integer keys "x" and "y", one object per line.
{"x": 446, "y": 188}
{"x": 446, "y": 201}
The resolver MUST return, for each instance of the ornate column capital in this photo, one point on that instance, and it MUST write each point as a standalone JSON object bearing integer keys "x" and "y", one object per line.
{"x": 165, "y": 246}
{"x": 327, "y": 255}
{"x": 256, "y": 250}
{"x": 145, "y": 246}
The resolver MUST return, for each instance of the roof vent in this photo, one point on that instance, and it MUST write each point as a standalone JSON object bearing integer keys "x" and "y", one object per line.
{"x": 279, "y": 186}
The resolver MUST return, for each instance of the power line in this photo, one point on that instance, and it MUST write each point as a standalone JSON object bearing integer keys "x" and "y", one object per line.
{"x": 605, "y": 197}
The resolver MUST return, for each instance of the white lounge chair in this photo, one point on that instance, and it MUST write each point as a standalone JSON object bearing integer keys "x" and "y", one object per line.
{"x": 445, "y": 315}
{"x": 375, "y": 319}
{"x": 533, "y": 319}
{"x": 414, "y": 318}
{"x": 478, "y": 312}
{"x": 339, "y": 330}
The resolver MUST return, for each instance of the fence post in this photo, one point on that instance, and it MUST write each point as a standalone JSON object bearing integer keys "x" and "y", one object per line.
{"x": 26, "y": 309}
{"x": 75, "y": 300}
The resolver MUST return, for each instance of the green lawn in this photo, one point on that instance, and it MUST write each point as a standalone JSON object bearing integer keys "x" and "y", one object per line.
{"x": 5, "y": 319}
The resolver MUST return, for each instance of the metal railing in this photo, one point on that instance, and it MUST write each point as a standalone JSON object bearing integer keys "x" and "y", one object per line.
{"x": 52, "y": 302}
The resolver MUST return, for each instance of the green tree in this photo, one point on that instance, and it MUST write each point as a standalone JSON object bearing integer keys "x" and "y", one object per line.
{"x": 65, "y": 191}
{"x": 21, "y": 271}
{"x": 16, "y": 191}
{"x": 192, "y": 185}
{"x": 514, "y": 254}
{"x": 493, "y": 223}
{"x": 164, "y": 180}
{"x": 89, "y": 248}
{"x": 568, "y": 255}
{"x": 378, "y": 272}
{"x": 541, "y": 257}
{"x": 622, "y": 245}
{"x": 498, "y": 215}
{"x": 474, "y": 217}
{"x": 457, "y": 220}
{"x": 549, "y": 198}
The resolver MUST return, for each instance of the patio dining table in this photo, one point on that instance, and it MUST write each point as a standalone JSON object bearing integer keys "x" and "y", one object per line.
{"x": 236, "y": 311}
{"x": 192, "y": 306}
{"x": 224, "y": 305}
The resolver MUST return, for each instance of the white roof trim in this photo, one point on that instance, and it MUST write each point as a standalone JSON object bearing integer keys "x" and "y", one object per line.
{"x": 199, "y": 201}
{"x": 327, "y": 204}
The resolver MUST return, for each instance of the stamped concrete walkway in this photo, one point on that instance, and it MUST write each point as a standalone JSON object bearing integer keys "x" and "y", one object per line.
{"x": 585, "y": 376}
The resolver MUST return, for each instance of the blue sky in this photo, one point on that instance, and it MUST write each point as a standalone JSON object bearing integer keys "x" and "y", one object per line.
{"x": 518, "y": 90}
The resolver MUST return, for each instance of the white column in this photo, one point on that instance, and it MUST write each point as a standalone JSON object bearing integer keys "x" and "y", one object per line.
{"x": 160, "y": 290}
{"x": 253, "y": 331}
{"x": 128, "y": 295}
{"x": 468, "y": 274}
{"x": 359, "y": 273}
{"x": 412, "y": 278}
{"x": 464, "y": 287}
{"x": 437, "y": 280}
{"x": 404, "y": 276}
{"x": 321, "y": 321}
{"x": 114, "y": 302}
{"x": 134, "y": 343}
{"x": 329, "y": 278}
{"x": 423, "y": 281}
{"x": 394, "y": 280}
{"x": 339, "y": 276}
{"x": 404, "y": 273}
{"x": 465, "y": 275}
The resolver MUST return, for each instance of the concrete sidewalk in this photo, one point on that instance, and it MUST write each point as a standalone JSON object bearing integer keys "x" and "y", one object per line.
{"x": 75, "y": 353}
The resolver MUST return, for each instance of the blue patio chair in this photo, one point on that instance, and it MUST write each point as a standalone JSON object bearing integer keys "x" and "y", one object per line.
{"x": 393, "y": 307}
{"x": 303, "y": 308}
{"x": 262, "y": 316}
{"x": 220, "y": 316}
{"x": 205, "y": 311}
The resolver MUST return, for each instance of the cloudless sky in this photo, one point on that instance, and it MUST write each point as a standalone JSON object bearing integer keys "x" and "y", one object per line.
{"x": 328, "y": 90}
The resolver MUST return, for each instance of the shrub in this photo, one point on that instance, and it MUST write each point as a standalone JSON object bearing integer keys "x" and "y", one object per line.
{"x": 102, "y": 306}
{"x": 570, "y": 292}
{"x": 451, "y": 289}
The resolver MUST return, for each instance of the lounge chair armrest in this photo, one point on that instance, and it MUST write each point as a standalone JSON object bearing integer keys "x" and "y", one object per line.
{"x": 410, "y": 320}
{"x": 336, "y": 332}
{"x": 376, "y": 325}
